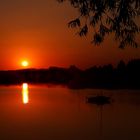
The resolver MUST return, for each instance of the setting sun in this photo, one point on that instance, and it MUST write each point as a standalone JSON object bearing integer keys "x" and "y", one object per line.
{"x": 24, "y": 63}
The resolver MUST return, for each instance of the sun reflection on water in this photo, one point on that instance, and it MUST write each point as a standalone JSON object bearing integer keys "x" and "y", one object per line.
{"x": 25, "y": 93}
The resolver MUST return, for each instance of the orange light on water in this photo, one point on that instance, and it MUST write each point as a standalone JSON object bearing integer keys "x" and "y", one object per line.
{"x": 25, "y": 95}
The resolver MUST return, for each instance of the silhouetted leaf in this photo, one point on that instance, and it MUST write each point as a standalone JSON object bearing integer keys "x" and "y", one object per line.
{"x": 104, "y": 30}
{"x": 97, "y": 39}
{"x": 83, "y": 31}
{"x": 74, "y": 23}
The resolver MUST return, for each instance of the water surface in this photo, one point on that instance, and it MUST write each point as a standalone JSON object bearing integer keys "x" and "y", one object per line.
{"x": 59, "y": 113}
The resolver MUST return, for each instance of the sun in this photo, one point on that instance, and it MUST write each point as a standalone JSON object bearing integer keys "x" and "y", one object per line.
{"x": 25, "y": 63}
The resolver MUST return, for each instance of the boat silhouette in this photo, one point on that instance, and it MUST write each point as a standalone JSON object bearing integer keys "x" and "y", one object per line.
{"x": 99, "y": 100}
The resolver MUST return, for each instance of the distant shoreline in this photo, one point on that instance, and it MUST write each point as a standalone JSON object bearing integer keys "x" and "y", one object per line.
{"x": 125, "y": 76}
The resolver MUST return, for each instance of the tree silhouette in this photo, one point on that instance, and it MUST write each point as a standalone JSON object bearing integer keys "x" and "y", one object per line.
{"x": 116, "y": 17}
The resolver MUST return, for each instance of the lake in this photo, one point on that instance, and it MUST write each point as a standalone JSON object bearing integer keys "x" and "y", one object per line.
{"x": 58, "y": 113}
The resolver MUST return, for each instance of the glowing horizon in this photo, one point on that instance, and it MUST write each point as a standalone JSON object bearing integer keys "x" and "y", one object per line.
{"x": 43, "y": 38}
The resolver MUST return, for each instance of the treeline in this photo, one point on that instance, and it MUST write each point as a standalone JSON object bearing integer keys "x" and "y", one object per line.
{"x": 123, "y": 76}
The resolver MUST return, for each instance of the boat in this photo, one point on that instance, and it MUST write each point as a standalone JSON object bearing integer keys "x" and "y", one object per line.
{"x": 99, "y": 100}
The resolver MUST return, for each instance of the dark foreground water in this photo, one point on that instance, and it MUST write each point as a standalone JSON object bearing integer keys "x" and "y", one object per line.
{"x": 58, "y": 113}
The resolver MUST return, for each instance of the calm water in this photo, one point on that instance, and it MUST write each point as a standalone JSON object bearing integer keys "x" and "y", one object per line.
{"x": 58, "y": 113}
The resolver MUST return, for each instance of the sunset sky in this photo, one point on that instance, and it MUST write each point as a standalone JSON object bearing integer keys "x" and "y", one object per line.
{"x": 36, "y": 31}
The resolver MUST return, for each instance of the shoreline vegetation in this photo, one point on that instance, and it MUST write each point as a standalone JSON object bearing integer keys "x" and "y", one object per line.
{"x": 124, "y": 76}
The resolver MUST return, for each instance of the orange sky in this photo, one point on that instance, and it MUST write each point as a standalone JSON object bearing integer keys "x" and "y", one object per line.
{"x": 36, "y": 30}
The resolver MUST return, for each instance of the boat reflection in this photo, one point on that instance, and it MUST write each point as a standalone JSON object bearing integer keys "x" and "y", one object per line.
{"x": 25, "y": 93}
